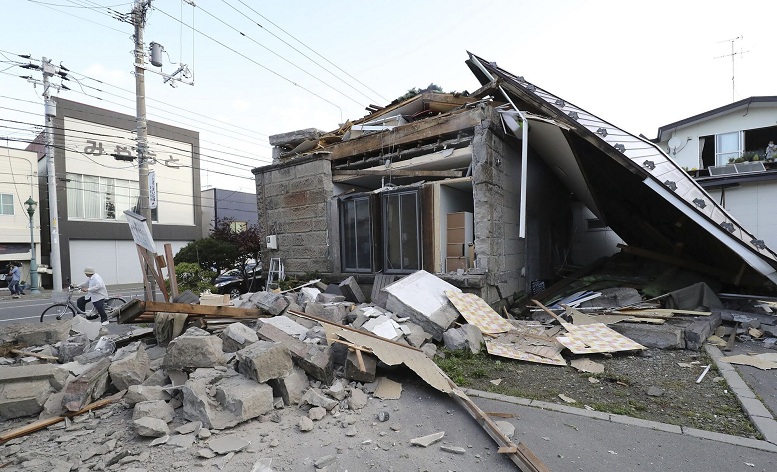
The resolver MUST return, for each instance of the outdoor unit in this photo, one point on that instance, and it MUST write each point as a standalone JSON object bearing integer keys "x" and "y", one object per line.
{"x": 271, "y": 242}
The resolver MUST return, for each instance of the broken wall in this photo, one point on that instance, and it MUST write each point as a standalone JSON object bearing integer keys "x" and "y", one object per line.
{"x": 292, "y": 199}
{"x": 496, "y": 170}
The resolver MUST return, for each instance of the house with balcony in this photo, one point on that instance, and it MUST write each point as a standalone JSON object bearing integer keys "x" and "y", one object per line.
{"x": 724, "y": 150}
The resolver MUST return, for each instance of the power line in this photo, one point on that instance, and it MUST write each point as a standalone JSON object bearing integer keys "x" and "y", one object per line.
{"x": 309, "y": 48}
{"x": 251, "y": 60}
{"x": 76, "y": 16}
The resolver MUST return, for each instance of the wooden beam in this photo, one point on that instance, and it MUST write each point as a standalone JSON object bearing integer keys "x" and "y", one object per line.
{"x": 171, "y": 271}
{"x": 396, "y": 173}
{"x": 205, "y": 310}
{"x": 684, "y": 263}
{"x": 409, "y": 133}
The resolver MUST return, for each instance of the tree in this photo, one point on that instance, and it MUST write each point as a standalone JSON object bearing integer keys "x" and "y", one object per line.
{"x": 248, "y": 243}
{"x": 416, "y": 91}
{"x": 210, "y": 253}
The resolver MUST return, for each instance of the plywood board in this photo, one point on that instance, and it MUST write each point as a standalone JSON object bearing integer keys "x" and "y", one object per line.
{"x": 597, "y": 337}
{"x": 514, "y": 351}
{"x": 477, "y": 312}
{"x": 587, "y": 365}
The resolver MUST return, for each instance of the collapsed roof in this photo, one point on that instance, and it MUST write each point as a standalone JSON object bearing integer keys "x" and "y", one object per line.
{"x": 639, "y": 191}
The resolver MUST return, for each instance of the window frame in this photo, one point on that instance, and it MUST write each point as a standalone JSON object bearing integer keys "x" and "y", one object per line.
{"x": 343, "y": 242}
{"x": 10, "y": 205}
{"x": 722, "y": 157}
{"x": 403, "y": 269}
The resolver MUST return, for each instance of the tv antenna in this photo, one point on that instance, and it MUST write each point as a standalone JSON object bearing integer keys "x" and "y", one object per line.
{"x": 733, "y": 56}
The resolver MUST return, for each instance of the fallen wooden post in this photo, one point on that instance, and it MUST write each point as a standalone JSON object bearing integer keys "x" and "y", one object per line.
{"x": 45, "y": 423}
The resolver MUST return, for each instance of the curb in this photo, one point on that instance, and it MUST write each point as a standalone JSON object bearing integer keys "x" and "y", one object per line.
{"x": 759, "y": 415}
{"x": 768, "y": 445}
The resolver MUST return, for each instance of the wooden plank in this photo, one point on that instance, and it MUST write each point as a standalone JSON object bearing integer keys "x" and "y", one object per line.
{"x": 205, "y": 310}
{"x": 45, "y": 423}
{"x": 146, "y": 283}
{"x": 130, "y": 311}
{"x": 33, "y": 354}
{"x": 171, "y": 271}
{"x": 546, "y": 310}
{"x": 409, "y": 133}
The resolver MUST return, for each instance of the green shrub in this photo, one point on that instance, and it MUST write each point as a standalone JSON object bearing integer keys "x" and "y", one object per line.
{"x": 193, "y": 277}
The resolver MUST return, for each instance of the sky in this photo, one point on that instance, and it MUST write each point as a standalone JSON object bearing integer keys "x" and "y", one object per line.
{"x": 261, "y": 68}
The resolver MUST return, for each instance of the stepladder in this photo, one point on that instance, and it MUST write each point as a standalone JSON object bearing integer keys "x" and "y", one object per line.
{"x": 275, "y": 274}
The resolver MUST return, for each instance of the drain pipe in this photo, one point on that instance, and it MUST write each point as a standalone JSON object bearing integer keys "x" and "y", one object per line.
{"x": 524, "y": 147}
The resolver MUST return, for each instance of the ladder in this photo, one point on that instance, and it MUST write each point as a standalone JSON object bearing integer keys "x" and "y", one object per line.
{"x": 275, "y": 273}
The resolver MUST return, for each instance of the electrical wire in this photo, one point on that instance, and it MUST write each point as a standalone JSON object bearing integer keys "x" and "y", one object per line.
{"x": 79, "y": 17}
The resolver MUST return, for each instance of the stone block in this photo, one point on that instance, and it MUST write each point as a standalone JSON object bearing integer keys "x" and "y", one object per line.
{"x": 287, "y": 325}
{"x": 700, "y": 329}
{"x": 150, "y": 427}
{"x": 353, "y": 372}
{"x": 237, "y": 336}
{"x": 417, "y": 336}
{"x": 159, "y": 409}
{"x": 421, "y": 297}
{"x": 455, "y": 339}
{"x": 314, "y": 397}
{"x": 290, "y": 387}
{"x": 658, "y": 336}
{"x": 145, "y": 393}
{"x": 132, "y": 369}
{"x": 474, "y": 337}
{"x": 334, "y": 312}
{"x": 36, "y": 334}
{"x": 330, "y": 298}
{"x": 352, "y": 291}
{"x": 272, "y": 303}
{"x": 316, "y": 361}
{"x": 264, "y": 360}
{"x": 308, "y": 294}
{"x": 23, "y": 398}
{"x": 293, "y": 138}
{"x": 194, "y": 349}
{"x": 72, "y": 347}
{"x": 243, "y": 398}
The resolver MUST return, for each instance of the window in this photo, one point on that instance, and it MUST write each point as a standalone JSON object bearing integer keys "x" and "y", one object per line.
{"x": 6, "y": 204}
{"x": 402, "y": 233}
{"x": 90, "y": 197}
{"x": 356, "y": 235}
{"x": 238, "y": 226}
{"x": 728, "y": 146}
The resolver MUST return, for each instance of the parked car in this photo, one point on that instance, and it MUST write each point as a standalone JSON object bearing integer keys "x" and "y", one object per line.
{"x": 232, "y": 282}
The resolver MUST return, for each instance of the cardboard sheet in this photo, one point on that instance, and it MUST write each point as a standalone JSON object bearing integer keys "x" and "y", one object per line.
{"x": 477, "y": 312}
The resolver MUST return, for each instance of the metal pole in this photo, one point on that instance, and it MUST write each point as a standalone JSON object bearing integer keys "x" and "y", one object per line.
{"x": 51, "y": 111}
{"x": 33, "y": 260}
{"x": 139, "y": 19}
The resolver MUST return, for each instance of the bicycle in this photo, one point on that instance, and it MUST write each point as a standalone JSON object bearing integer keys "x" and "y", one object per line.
{"x": 67, "y": 305}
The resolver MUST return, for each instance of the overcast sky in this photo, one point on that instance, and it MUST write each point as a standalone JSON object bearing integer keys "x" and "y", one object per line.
{"x": 262, "y": 68}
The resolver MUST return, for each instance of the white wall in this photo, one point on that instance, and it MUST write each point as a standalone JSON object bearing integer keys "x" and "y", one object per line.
{"x": 737, "y": 120}
{"x": 116, "y": 261}
{"x": 19, "y": 178}
{"x": 588, "y": 245}
{"x": 753, "y": 206}
{"x": 176, "y": 204}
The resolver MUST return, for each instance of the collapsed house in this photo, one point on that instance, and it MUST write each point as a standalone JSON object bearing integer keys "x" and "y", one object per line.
{"x": 484, "y": 189}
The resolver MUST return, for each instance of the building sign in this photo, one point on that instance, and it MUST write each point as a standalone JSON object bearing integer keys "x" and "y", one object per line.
{"x": 140, "y": 231}
{"x": 152, "y": 190}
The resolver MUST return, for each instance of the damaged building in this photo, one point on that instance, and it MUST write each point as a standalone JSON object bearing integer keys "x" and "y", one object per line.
{"x": 487, "y": 189}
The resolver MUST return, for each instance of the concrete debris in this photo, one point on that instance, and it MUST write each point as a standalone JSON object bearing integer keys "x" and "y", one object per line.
{"x": 150, "y": 427}
{"x": 352, "y": 291}
{"x": 129, "y": 368}
{"x": 291, "y": 387}
{"x": 264, "y": 360}
{"x": 192, "y": 427}
{"x": 305, "y": 424}
{"x": 144, "y": 393}
{"x": 316, "y": 413}
{"x": 316, "y": 361}
{"x": 72, "y": 347}
{"x": 357, "y": 400}
{"x": 193, "y": 349}
{"x": 314, "y": 397}
{"x": 237, "y": 336}
{"x": 288, "y": 326}
{"x": 506, "y": 428}
{"x": 226, "y": 444}
{"x": 158, "y": 409}
{"x": 88, "y": 386}
{"x": 453, "y": 449}
{"x": 272, "y": 303}
{"x": 428, "y": 440}
{"x": 421, "y": 297}
{"x": 353, "y": 368}
{"x": 325, "y": 461}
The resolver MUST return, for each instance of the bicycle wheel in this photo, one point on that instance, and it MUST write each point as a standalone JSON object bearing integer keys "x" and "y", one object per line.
{"x": 57, "y": 311}
{"x": 112, "y": 306}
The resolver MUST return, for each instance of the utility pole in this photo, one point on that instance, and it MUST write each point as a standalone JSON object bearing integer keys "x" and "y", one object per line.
{"x": 141, "y": 125}
{"x": 51, "y": 111}
{"x": 732, "y": 55}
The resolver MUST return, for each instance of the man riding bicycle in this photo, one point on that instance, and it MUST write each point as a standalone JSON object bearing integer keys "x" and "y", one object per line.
{"x": 96, "y": 292}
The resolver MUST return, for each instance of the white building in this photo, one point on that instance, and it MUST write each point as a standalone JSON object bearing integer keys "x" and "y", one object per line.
{"x": 97, "y": 181}
{"x": 18, "y": 182}
{"x": 709, "y": 145}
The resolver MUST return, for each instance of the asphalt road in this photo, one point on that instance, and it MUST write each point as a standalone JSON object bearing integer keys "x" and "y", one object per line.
{"x": 28, "y": 308}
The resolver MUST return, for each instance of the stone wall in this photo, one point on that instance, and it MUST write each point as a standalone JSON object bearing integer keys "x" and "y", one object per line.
{"x": 292, "y": 199}
{"x": 496, "y": 193}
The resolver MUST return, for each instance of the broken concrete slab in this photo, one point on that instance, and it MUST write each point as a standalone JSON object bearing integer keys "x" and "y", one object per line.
{"x": 131, "y": 369}
{"x": 455, "y": 339}
{"x": 659, "y": 336}
{"x": 305, "y": 424}
{"x": 195, "y": 348}
{"x": 23, "y": 398}
{"x": 352, "y": 291}
{"x": 357, "y": 400}
{"x": 144, "y": 393}
{"x": 316, "y": 413}
{"x": 224, "y": 399}
{"x": 293, "y": 138}
{"x": 192, "y": 427}
{"x": 700, "y": 329}
{"x": 89, "y": 328}
{"x": 315, "y": 397}
{"x": 334, "y": 312}
{"x": 72, "y": 347}
{"x": 308, "y": 294}
{"x": 88, "y": 386}
{"x": 421, "y": 297}
{"x": 387, "y": 389}
{"x": 264, "y": 360}
{"x": 287, "y": 325}
{"x": 428, "y": 440}
{"x": 36, "y": 334}
{"x": 237, "y": 336}
{"x": 243, "y": 398}
{"x": 226, "y": 444}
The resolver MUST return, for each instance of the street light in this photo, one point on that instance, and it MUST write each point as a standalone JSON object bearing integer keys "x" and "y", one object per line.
{"x": 31, "y": 206}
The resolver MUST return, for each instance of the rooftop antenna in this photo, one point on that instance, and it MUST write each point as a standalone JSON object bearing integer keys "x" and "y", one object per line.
{"x": 732, "y": 55}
